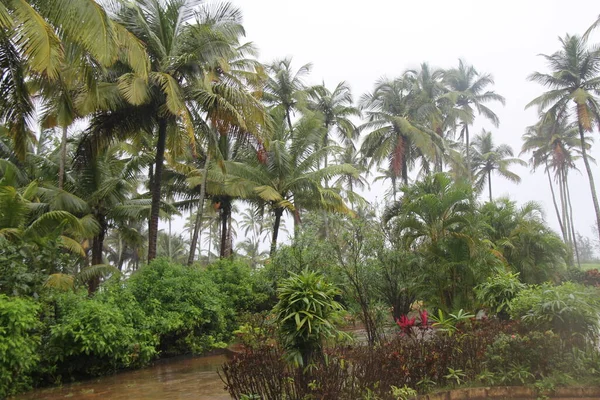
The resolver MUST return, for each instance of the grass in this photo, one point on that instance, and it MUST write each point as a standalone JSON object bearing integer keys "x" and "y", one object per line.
{"x": 588, "y": 266}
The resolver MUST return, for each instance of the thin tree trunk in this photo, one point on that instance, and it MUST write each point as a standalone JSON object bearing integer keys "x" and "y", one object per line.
{"x": 590, "y": 176}
{"x": 63, "y": 158}
{"x": 562, "y": 228}
{"x": 572, "y": 222}
{"x": 97, "y": 249}
{"x": 278, "y": 214}
{"x": 229, "y": 243}
{"x": 200, "y": 213}
{"x": 156, "y": 189}
{"x": 225, "y": 210}
{"x": 490, "y": 184}
{"x": 468, "y": 155}
{"x": 289, "y": 119}
{"x": 563, "y": 205}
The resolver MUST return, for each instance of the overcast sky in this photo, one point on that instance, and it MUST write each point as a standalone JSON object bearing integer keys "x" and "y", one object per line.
{"x": 360, "y": 42}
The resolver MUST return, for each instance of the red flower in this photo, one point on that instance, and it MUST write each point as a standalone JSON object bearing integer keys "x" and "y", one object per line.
{"x": 424, "y": 318}
{"x": 406, "y": 323}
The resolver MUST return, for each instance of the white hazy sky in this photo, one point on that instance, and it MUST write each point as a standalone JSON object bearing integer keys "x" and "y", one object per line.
{"x": 359, "y": 42}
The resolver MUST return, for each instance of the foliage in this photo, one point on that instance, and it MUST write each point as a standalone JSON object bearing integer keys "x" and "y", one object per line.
{"x": 568, "y": 309}
{"x": 245, "y": 290}
{"x": 305, "y": 312}
{"x": 498, "y": 291}
{"x": 348, "y": 373}
{"x": 186, "y": 309}
{"x": 91, "y": 337}
{"x": 19, "y": 343}
{"x": 535, "y": 352}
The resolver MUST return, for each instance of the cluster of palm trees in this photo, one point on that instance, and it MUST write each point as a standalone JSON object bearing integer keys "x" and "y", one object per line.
{"x": 568, "y": 112}
{"x": 151, "y": 108}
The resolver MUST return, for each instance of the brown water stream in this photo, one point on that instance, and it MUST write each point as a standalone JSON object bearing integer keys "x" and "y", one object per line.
{"x": 189, "y": 378}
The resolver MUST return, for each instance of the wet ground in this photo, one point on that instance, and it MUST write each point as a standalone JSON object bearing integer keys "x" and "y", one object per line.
{"x": 188, "y": 378}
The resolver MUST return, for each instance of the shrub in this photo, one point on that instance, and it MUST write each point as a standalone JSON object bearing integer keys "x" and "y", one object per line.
{"x": 186, "y": 311}
{"x": 498, "y": 291}
{"x": 514, "y": 357}
{"x": 305, "y": 311}
{"x": 91, "y": 337}
{"x": 345, "y": 373}
{"x": 567, "y": 309}
{"x": 245, "y": 289}
{"x": 18, "y": 344}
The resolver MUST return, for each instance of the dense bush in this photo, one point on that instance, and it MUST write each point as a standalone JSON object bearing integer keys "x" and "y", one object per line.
{"x": 567, "y": 309}
{"x": 186, "y": 309}
{"x": 245, "y": 290}
{"x": 18, "y": 343}
{"x": 518, "y": 358}
{"x": 91, "y": 337}
{"x": 498, "y": 291}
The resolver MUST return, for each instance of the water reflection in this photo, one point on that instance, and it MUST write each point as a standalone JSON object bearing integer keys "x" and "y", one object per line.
{"x": 190, "y": 378}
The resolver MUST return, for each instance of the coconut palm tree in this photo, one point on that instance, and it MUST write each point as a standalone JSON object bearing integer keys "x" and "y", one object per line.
{"x": 290, "y": 177}
{"x": 554, "y": 144}
{"x": 336, "y": 109}
{"x": 184, "y": 43}
{"x": 285, "y": 89}
{"x": 574, "y": 79}
{"x": 395, "y": 134}
{"x": 488, "y": 158}
{"x": 467, "y": 90}
{"x": 38, "y": 39}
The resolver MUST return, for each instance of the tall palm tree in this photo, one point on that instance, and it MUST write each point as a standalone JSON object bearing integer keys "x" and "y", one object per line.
{"x": 431, "y": 105}
{"x": 574, "y": 77}
{"x": 488, "y": 158}
{"x": 183, "y": 42}
{"x": 554, "y": 145}
{"x": 285, "y": 88}
{"x": 467, "y": 90}
{"x": 394, "y": 131}
{"x": 336, "y": 109}
{"x": 290, "y": 177}
{"x": 38, "y": 37}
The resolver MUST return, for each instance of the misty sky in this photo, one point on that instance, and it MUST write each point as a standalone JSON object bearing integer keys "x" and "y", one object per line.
{"x": 360, "y": 42}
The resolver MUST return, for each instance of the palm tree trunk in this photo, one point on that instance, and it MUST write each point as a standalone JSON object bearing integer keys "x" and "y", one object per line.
{"x": 97, "y": 248}
{"x": 572, "y": 223}
{"x": 63, "y": 158}
{"x": 200, "y": 213}
{"x": 589, "y": 174}
{"x": 156, "y": 189}
{"x": 490, "y": 184}
{"x": 562, "y": 228}
{"x": 278, "y": 214}
{"x": 229, "y": 243}
{"x": 468, "y": 153}
{"x": 225, "y": 212}
{"x": 563, "y": 206}
{"x": 289, "y": 119}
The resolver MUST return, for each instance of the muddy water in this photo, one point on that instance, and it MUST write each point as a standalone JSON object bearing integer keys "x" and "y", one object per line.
{"x": 190, "y": 378}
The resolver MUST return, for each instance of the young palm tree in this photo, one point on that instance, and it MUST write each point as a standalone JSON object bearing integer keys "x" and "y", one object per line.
{"x": 488, "y": 158}
{"x": 435, "y": 218}
{"x": 394, "y": 131}
{"x": 467, "y": 90}
{"x": 574, "y": 77}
